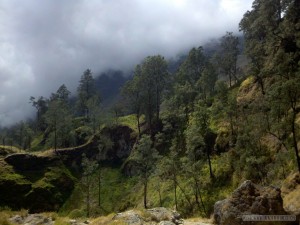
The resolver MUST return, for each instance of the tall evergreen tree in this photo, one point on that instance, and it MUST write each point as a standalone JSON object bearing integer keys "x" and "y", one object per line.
{"x": 145, "y": 157}
{"x": 227, "y": 56}
{"x": 85, "y": 90}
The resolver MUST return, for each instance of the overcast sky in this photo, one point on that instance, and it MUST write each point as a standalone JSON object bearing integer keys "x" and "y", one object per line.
{"x": 44, "y": 44}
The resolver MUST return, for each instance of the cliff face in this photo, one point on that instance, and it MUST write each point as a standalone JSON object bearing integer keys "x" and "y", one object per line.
{"x": 35, "y": 183}
{"x": 43, "y": 182}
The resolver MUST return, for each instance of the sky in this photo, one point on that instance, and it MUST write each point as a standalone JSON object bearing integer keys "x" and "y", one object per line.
{"x": 44, "y": 44}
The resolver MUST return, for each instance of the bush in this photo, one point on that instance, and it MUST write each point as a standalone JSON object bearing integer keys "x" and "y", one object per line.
{"x": 77, "y": 213}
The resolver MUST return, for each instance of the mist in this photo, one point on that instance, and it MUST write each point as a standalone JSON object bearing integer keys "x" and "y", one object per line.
{"x": 44, "y": 44}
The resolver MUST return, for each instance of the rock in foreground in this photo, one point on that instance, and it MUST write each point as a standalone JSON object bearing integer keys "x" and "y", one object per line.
{"x": 249, "y": 199}
{"x": 159, "y": 215}
{"x": 290, "y": 192}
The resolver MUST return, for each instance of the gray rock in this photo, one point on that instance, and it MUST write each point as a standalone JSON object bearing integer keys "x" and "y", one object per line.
{"x": 17, "y": 219}
{"x": 150, "y": 216}
{"x": 163, "y": 214}
{"x": 248, "y": 199}
{"x": 129, "y": 217}
{"x": 38, "y": 219}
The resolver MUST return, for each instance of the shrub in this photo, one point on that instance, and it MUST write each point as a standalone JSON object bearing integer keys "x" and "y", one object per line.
{"x": 77, "y": 213}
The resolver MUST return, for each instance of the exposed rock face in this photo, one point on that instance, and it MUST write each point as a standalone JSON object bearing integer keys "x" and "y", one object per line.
{"x": 122, "y": 144}
{"x": 24, "y": 161}
{"x": 290, "y": 192}
{"x": 159, "y": 215}
{"x": 43, "y": 182}
{"x": 249, "y": 199}
{"x": 43, "y": 189}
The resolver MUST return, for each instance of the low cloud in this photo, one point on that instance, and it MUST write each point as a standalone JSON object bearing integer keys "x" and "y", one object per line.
{"x": 44, "y": 44}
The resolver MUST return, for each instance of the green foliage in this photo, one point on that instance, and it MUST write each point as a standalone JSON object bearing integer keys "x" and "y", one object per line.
{"x": 116, "y": 194}
{"x": 77, "y": 213}
{"x": 145, "y": 156}
{"x": 59, "y": 120}
{"x": 227, "y": 56}
{"x": 89, "y": 167}
{"x": 86, "y": 90}
{"x": 210, "y": 136}
{"x": 130, "y": 121}
{"x": 37, "y": 143}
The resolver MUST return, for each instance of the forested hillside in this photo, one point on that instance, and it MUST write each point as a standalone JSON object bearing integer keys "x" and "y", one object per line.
{"x": 181, "y": 134}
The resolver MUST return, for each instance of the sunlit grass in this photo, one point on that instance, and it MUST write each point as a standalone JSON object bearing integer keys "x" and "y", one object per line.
{"x": 10, "y": 149}
{"x": 131, "y": 121}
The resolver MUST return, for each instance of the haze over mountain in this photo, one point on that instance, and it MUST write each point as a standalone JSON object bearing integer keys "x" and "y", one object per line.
{"x": 45, "y": 44}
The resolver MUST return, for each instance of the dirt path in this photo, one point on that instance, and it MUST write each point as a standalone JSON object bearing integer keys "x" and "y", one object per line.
{"x": 197, "y": 221}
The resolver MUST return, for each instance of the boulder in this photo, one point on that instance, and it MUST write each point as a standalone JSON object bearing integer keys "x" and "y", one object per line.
{"x": 158, "y": 215}
{"x": 249, "y": 199}
{"x": 129, "y": 217}
{"x": 290, "y": 193}
{"x": 163, "y": 214}
{"x": 32, "y": 219}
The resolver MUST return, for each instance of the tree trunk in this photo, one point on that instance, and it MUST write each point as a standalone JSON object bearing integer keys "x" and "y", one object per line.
{"x": 261, "y": 84}
{"x": 145, "y": 193}
{"x": 138, "y": 123}
{"x": 159, "y": 194}
{"x": 202, "y": 203}
{"x": 150, "y": 115}
{"x": 209, "y": 164}
{"x": 157, "y": 104}
{"x": 55, "y": 138}
{"x": 295, "y": 138}
{"x": 175, "y": 193}
{"x": 94, "y": 124}
{"x": 196, "y": 196}
{"x": 185, "y": 195}
{"x": 99, "y": 187}
{"x": 88, "y": 201}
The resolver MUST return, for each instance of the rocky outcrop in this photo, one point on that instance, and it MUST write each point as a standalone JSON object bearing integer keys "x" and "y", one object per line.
{"x": 121, "y": 137}
{"x": 25, "y": 161}
{"x": 122, "y": 143}
{"x": 159, "y": 215}
{"x": 43, "y": 182}
{"x": 249, "y": 199}
{"x": 37, "y": 188}
{"x": 290, "y": 192}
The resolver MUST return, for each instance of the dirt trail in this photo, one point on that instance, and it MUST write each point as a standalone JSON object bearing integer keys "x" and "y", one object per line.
{"x": 197, "y": 221}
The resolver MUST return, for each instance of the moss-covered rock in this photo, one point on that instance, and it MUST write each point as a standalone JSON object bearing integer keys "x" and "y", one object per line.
{"x": 49, "y": 193}
{"x": 41, "y": 188}
{"x": 290, "y": 192}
